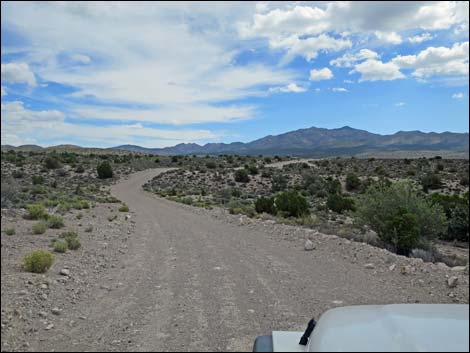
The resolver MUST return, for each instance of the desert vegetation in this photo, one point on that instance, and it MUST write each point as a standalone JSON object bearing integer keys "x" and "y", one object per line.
{"x": 404, "y": 205}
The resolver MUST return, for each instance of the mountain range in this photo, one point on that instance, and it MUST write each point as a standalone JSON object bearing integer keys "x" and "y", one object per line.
{"x": 321, "y": 142}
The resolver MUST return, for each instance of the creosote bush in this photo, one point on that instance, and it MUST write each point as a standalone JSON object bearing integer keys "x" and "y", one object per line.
{"x": 265, "y": 205}
{"x": 38, "y": 261}
{"x": 55, "y": 222}
{"x": 124, "y": 208}
{"x": 60, "y": 246}
{"x": 36, "y": 211}
{"x": 339, "y": 203}
{"x": 104, "y": 170}
{"x": 40, "y": 227}
{"x": 241, "y": 176}
{"x": 291, "y": 203}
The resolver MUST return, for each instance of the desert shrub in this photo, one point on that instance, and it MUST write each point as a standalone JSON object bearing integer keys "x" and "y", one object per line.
{"x": 17, "y": 174}
{"x": 10, "y": 231}
{"x": 241, "y": 176}
{"x": 55, "y": 222}
{"x": 291, "y": 203}
{"x": 124, "y": 208}
{"x": 464, "y": 180}
{"x": 352, "y": 182}
{"x": 80, "y": 169}
{"x": 333, "y": 186}
{"x": 37, "y": 179}
{"x": 384, "y": 206}
{"x": 51, "y": 163}
{"x": 252, "y": 169}
{"x": 72, "y": 241}
{"x": 60, "y": 246}
{"x": 430, "y": 181}
{"x": 425, "y": 255}
{"x": 266, "y": 205}
{"x": 440, "y": 167}
{"x": 174, "y": 159}
{"x": 402, "y": 231}
{"x": 458, "y": 224}
{"x": 279, "y": 182}
{"x": 238, "y": 207}
{"x": 39, "y": 227}
{"x": 36, "y": 211}
{"x": 211, "y": 165}
{"x": 38, "y": 261}
{"x": 339, "y": 203}
{"x": 104, "y": 170}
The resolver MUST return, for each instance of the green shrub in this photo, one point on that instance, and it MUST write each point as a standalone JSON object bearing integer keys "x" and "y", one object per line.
{"x": 40, "y": 227}
{"x": 459, "y": 224}
{"x": 252, "y": 169}
{"x": 72, "y": 242}
{"x": 10, "y": 231}
{"x": 382, "y": 203}
{"x": 292, "y": 204}
{"x": 431, "y": 181}
{"x": 352, "y": 182}
{"x": 55, "y": 222}
{"x": 266, "y": 205}
{"x": 51, "y": 163}
{"x": 279, "y": 183}
{"x": 402, "y": 231}
{"x": 339, "y": 204}
{"x": 124, "y": 208}
{"x": 104, "y": 170}
{"x": 36, "y": 211}
{"x": 38, "y": 261}
{"x": 38, "y": 179}
{"x": 333, "y": 186}
{"x": 60, "y": 246}
{"x": 241, "y": 176}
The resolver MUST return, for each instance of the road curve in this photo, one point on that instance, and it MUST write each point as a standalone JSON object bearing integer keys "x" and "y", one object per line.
{"x": 191, "y": 282}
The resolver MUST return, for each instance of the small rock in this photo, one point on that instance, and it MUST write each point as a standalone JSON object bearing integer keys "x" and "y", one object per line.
{"x": 50, "y": 326}
{"x": 452, "y": 282}
{"x": 43, "y": 286}
{"x": 42, "y": 314}
{"x": 442, "y": 266}
{"x": 369, "y": 266}
{"x": 251, "y": 311}
{"x": 308, "y": 245}
{"x": 23, "y": 292}
{"x": 56, "y": 311}
{"x": 392, "y": 268}
{"x": 405, "y": 270}
{"x": 64, "y": 272}
{"x": 458, "y": 269}
{"x": 127, "y": 217}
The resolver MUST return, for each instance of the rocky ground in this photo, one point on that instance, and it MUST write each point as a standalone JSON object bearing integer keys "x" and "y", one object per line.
{"x": 34, "y": 305}
{"x": 172, "y": 277}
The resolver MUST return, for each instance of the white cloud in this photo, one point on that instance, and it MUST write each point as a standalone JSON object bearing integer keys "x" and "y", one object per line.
{"x": 4, "y": 91}
{"x": 389, "y": 37}
{"x": 349, "y": 59}
{"x": 19, "y": 124}
{"x": 339, "y": 89}
{"x": 421, "y": 38}
{"x": 309, "y": 47}
{"x": 459, "y": 95}
{"x": 322, "y": 74}
{"x": 375, "y": 70}
{"x": 291, "y": 87}
{"x": 348, "y": 81}
{"x": 434, "y": 61}
{"x": 80, "y": 58}
{"x": 18, "y": 73}
{"x": 400, "y": 104}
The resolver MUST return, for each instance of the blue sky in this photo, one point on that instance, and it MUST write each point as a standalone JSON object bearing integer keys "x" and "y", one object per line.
{"x": 158, "y": 74}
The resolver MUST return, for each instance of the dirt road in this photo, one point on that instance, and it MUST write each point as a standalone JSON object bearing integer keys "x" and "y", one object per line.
{"x": 193, "y": 282}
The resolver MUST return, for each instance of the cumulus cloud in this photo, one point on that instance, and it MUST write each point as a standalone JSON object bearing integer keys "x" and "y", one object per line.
{"x": 421, "y": 38}
{"x": 440, "y": 60}
{"x": 389, "y": 37}
{"x": 322, "y": 74}
{"x": 459, "y": 95}
{"x": 4, "y": 91}
{"x": 291, "y": 87}
{"x": 349, "y": 59}
{"x": 375, "y": 70}
{"x": 309, "y": 47}
{"x": 18, "y": 73}
{"x": 400, "y": 104}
